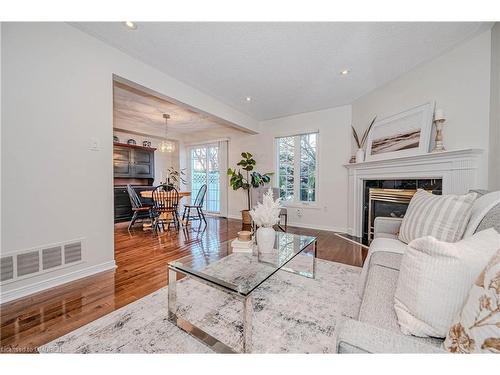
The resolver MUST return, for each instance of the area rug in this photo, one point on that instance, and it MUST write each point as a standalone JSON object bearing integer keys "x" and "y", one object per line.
{"x": 291, "y": 314}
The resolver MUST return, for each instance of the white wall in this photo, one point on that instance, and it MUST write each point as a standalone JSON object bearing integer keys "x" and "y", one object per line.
{"x": 334, "y": 147}
{"x": 459, "y": 82}
{"x": 494, "y": 160}
{"x": 56, "y": 96}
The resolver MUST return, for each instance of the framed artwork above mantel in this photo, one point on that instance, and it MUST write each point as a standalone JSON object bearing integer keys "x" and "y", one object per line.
{"x": 405, "y": 134}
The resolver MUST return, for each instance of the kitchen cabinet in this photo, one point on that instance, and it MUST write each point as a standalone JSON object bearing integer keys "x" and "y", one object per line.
{"x": 132, "y": 161}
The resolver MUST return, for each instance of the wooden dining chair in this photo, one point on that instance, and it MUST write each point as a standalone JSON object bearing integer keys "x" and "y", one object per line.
{"x": 140, "y": 211}
{"x": 197, "y": 205}
{"x": 165, "y": 204}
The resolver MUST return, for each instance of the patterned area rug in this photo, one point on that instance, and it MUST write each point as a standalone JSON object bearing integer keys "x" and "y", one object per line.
{"x": 292, "y": 314}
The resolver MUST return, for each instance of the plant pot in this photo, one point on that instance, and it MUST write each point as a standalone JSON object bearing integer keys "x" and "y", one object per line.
{"x": 245, "y": 217}
{"x": 360, "y": 155}
{"x": 265, "y": 239}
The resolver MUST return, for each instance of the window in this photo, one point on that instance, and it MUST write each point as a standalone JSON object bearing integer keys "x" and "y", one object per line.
{"x": 297, "y": 167}
{"x": 286, "y": 167}
{"x": 204, "y": 169}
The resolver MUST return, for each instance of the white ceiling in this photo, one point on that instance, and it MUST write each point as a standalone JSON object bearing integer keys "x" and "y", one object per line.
{"x": 286, "y": 68}
{"x": 142, "y": 112}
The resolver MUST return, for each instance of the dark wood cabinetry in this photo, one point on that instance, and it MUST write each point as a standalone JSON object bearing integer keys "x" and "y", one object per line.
{"x": 123, "y": 208}
{"x": 122, "y": 161}
{"x": 144, "y": 165}
{"x": 133, "y": 165}
{"x": 131, "y": 161}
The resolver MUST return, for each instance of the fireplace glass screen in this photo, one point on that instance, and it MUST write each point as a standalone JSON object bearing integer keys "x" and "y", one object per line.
{"x": 390, "y": 198}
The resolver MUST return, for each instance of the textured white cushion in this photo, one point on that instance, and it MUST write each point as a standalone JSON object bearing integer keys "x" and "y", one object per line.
{"x": 480, "y": 208}
{"x": 435, "y": 278}
{"x": 477, "y": 328}
{"x": 443, "y": 217}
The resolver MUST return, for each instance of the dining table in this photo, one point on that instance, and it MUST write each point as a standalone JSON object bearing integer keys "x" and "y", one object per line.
{"x": 149, "y": 194}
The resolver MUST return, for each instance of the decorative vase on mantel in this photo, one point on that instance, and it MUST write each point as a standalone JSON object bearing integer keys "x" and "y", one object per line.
{"x": 360, "y": 142}
{"x": 265, "y": 239}
{"x": 360, "y": 155}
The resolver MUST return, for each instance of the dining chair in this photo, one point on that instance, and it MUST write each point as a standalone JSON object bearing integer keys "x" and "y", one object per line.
{"x": 165, "y": 205}
{"x": 197, "y": 205}
{"x": 140, "y": 211}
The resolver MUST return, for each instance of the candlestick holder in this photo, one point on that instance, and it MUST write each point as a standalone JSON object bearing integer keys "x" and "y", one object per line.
{"x": 439, "y": 146}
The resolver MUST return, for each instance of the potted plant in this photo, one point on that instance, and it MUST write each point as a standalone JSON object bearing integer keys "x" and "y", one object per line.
{"x": 251, "y": 179}
{"x": 175, "y": 177}
{"x": 360, "y": 154}
{"x": 266, "y": 215}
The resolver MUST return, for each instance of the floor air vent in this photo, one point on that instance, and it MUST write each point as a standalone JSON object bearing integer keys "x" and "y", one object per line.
{"x": 33, "y": 262}
{"x": 6, "y": 268}
{"x": 28, "y": 263}
{"x": 72, "y": 252}
{"x": 51, "y": 257}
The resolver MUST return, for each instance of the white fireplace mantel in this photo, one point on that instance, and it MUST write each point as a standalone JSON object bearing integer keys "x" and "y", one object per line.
{"x": 458, "y": 170}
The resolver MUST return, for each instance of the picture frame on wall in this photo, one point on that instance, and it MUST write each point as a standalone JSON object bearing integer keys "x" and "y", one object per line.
{"x": 405, "y": 134}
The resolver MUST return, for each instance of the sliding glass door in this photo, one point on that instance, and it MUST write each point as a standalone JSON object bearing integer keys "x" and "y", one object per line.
{"x": 205, "y": 169}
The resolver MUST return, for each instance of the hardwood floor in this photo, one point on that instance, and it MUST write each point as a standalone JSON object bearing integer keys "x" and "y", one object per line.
{"x": 141, "y": 260}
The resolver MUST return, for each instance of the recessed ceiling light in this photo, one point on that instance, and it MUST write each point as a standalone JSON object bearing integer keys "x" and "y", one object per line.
{"x": 131, "y": 25}
{"x": 345, "y": 72}
{"x": 248, "y": 99}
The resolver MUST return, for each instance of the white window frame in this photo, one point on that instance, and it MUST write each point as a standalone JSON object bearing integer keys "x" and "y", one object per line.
{"x": 296, "y": 170}
{"x": 189, "y": 149}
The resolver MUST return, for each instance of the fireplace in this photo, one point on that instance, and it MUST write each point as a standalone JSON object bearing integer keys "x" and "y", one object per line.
{"x": 390, "y": 198}
{"x": 455, "y": 171}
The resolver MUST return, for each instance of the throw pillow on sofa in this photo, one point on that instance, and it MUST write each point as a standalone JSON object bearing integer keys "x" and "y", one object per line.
{"x": 435, "y": 278}
{"x": 484, "y": 211}
{"x": 443, "y": 217}
{"x": 477, "y": 328}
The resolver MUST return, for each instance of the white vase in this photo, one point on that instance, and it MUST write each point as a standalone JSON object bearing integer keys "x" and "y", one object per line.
{"x": 360, "y": 155}
{"x": 265, "y": 239}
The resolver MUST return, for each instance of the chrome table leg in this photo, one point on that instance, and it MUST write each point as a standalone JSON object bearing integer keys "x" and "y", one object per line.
{"x": 172, "y": 295}
{"x": 314, "y": 259}
{"x": 247, "y": 324}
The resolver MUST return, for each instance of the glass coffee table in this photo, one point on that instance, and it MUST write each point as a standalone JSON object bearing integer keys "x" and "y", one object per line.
{"x": 239, "y": 274}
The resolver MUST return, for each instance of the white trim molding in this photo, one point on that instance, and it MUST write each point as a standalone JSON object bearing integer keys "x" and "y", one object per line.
{"x": 458, "y": 170}
{"x": 326, "y": 228}
{"x": 10, "y": 295}
{"x": 302, "y": 225}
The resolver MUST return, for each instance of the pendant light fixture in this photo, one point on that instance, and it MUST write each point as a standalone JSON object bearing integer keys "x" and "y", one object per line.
{"x": 166, "y": 145}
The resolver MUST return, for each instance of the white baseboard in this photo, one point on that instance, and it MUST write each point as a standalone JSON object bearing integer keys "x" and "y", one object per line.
{"x": 7, "y": 296}
{"x": 317, "y": 227}
{"x": 236, "y": 217}
{"x": 303, "y": 225}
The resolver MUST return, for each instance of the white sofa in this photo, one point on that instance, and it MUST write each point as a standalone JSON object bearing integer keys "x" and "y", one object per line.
{"x": 376, "y": 329}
